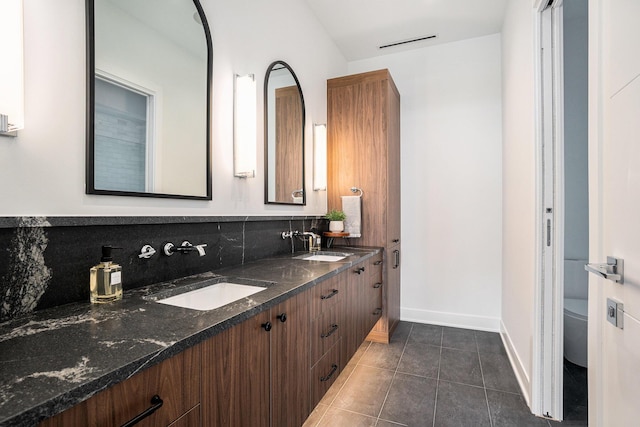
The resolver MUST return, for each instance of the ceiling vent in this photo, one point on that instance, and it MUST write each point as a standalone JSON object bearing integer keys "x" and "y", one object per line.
{"x": 400, "y": 43}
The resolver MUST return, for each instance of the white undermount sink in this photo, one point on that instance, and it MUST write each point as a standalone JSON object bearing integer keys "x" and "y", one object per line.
{"x": 209, "y": 294}
{"x": 212, "y": 296}
{"x": 324, "y": 256}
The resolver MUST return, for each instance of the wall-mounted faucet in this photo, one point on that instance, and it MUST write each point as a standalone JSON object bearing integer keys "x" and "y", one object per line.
{"x": 315, "y": 241}
{"x": 169, "y": 248}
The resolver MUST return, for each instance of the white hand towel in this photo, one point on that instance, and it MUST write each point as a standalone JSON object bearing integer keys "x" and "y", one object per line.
{"x": 352, "y": 207}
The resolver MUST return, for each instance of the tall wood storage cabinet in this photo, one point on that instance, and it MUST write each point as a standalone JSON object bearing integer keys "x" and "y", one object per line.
{"x": 363, "y": 140}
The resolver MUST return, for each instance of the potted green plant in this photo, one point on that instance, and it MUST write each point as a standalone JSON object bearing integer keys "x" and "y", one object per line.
{"x": 336, "y": 220}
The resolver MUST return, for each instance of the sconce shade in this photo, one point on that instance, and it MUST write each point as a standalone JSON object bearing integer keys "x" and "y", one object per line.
{"x": 12, "y": 68}
{"x": 320, "y": 157}
{"x": 244, "y": 126}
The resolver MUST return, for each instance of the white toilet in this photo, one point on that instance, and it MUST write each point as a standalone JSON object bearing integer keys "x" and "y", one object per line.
{"x": 576, "y": 295}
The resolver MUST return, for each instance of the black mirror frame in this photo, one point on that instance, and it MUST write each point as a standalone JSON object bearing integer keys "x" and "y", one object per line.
{"x": 266, "y": 136}
{"x": 89, "y": 159}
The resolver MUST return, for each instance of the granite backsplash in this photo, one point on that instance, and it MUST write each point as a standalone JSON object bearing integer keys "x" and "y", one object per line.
{"x": 45, "y": 261}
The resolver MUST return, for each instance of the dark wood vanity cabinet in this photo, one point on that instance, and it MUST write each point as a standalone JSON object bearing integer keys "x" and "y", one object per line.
{"x": 257, "y": 373}
{"x": 363, "y": 151}
{"x": 269, "y": 370}
{"x": 176, "y": 381}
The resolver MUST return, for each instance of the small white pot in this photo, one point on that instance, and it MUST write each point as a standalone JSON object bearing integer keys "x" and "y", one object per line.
{"x": 336, "y": 226}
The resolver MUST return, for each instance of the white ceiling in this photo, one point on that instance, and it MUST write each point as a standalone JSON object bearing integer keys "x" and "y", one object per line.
{"x": 359, "y": 27}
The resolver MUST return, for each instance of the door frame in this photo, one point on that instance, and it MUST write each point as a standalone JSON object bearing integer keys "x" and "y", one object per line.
{"x": 596, "y": 291}
{"x": 548, "y": 333}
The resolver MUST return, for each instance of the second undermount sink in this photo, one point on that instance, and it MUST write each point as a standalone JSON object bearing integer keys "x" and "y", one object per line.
{"x": 324, "y": 256}
{"x": 210, "y": 294}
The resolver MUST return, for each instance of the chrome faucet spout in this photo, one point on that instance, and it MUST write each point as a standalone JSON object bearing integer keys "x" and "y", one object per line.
{"x": 170, "y": 248}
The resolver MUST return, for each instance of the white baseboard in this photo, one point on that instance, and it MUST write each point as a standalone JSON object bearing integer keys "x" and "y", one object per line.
{"x": 457, "y": 320}
{"x": 516, "y": 364}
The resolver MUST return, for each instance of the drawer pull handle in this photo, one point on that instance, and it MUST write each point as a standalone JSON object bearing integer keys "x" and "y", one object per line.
{"x": 359, "y": 270}
{"x": 334, "y": 328}
{"x": 266, "y": 326}
{"x": 282, "y": 317}
{"x": 377, "y": 312}
{"x": 327, "y": 377}
{"x": 377, "y": 263}
{"x": 377, "y": 285}
{"x": 156, "y": 403}
{"x": 333, "y": 292}
{"x": 395, "y": 240}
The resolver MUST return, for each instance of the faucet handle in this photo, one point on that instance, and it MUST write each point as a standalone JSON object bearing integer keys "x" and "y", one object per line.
{"x": 147, "y": 252}
{"x": 200, "y": 249}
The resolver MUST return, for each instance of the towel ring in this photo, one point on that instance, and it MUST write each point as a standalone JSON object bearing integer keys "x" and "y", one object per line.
{"x": 356, "y": 189}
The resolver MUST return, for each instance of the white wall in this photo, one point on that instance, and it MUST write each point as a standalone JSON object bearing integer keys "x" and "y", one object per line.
{"x": 42, "y": 171}
{"x": 451, "y": 180}
{"x": 519, "y": 186}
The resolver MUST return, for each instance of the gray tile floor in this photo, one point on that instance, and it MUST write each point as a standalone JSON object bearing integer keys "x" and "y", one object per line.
{"x": 427, "y": 376}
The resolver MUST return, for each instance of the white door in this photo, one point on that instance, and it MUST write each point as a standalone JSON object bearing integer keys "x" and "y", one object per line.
{"x": 614, "y": 191}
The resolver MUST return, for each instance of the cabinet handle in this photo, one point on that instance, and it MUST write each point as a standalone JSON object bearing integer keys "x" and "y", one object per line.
{"x": 377, "y": 312}
{"x": 156, "y": 403}
{"x": 282, "y": 317}
{"x": 327, "y": 377}
{"x": 377, "y": 262}
{"x": 396, "y": 260}
{"x": 395, "y": 240}
{"x": 377, "y": 285}
{"x": 359, "y": 270}
{"x": 334, "y": 328}
{"x": 333, "y": 292}
{"x": 266, "y": 326}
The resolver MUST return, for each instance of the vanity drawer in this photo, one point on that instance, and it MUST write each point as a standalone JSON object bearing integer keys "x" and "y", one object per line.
{"x": 327, "y": 294}
{"x": 325, "y": 372}
{"x": 325, "y": 332}
{"x": 176, "y": 381}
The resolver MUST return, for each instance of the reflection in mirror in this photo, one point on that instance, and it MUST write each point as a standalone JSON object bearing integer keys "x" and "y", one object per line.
{"x": 284, "y": 136}
{"x": 149, "y": 75}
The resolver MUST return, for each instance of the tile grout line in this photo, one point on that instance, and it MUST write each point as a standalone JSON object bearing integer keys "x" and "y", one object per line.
{"x": 435, "y": 401}
{"x": 484, "y": 386}
{"x": 395, "y": 371}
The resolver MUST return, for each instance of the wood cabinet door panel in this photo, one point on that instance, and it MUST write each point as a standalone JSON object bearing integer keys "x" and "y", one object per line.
{"x": 236, "y": 371}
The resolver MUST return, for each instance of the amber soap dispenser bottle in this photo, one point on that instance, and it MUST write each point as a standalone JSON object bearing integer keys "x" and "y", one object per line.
{"x": 106, "y": 278}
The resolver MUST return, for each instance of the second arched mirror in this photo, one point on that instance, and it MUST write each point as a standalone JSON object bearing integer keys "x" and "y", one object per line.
{"x": 284, "y": 118}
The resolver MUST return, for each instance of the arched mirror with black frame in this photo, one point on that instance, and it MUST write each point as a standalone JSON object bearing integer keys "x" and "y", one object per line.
{"x": 149, "y": 84}
{"x": 284, "y": 118}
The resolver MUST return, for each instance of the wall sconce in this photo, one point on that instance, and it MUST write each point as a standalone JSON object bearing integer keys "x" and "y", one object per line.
{"x": 319, "y": 157}
{"x": 244, "y": 126}
{"x": 11, "y": 71}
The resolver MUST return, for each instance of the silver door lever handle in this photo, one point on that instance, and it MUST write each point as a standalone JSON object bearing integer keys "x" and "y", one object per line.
{"x": 612, "y": 270}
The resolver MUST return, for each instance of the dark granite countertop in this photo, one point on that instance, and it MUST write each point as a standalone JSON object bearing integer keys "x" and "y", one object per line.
{"x": 56, "y": 358}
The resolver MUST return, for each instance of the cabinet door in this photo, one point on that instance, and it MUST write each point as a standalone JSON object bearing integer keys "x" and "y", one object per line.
{"x": 235, "y": 369}
{"x": 357, "y": 148}
{"x": 175, "y": 380}
{"x": 290, "y": 362}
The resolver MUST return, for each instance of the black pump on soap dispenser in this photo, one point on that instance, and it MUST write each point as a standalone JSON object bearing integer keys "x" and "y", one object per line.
{"x": 106, "y": 278}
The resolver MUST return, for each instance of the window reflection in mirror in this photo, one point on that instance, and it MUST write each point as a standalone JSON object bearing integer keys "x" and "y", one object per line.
{"x": 284, "y": 136}
{"x": 149, "y": 72}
